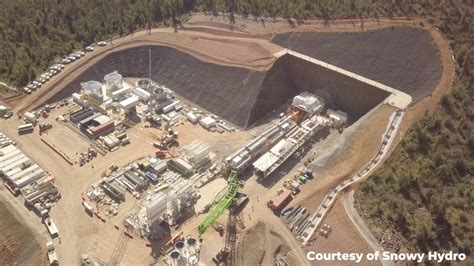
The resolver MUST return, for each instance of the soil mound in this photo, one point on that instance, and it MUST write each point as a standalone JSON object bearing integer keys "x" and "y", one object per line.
{"x": 401, "y": 57}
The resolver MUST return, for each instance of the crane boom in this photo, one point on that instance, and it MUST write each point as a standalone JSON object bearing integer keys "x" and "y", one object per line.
{"x": 222, "y": 204}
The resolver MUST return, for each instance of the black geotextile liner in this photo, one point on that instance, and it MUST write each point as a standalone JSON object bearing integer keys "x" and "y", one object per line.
{"x": 402, "y": 57}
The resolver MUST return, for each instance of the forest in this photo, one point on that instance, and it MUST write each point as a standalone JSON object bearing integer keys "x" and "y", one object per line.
{"x": 423, "y": 192}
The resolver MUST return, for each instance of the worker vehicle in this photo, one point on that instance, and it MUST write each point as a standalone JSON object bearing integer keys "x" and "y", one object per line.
{"x": 88, "y": 208}
{"x": 25, "y": 129}
{"x": 45, "y": 126}
{"x": 113, "y": 167}
{"x": 32, "y": 87}
{"x": 280, "y": 202}
{"x": 52, "y": 256}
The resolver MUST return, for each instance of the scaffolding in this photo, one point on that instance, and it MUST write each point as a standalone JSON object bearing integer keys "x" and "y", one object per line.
{"x": 222, "y": 204}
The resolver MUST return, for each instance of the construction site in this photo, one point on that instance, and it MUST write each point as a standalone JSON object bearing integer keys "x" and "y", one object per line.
{"x": 209, "y": 145}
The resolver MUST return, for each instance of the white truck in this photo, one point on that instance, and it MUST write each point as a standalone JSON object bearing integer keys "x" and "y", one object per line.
{"x": 52, "y": 257}
{"x": 52, "y": 228}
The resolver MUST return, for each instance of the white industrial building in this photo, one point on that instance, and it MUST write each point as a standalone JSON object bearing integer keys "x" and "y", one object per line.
{"x": 116, "y": 94}
{"x": 142, "y": 94}
{"x": 22, "y": 174}
{"x": 129, "y": 103}
{"x": 167, "y": 203}
{"x": 156, "y": 209}
{"x": 192, "y": 117}
{"x": 208, "y": 122}
{"x": 243, "y": 157}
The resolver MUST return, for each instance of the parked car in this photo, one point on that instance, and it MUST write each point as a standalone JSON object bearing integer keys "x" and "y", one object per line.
{"x": 102, "y": 43}
{"x": 26, "y": 90}
{"x": 65, "y": 61}
{"x": 36, "y": 83}
{"x": 8, "y": 114}
{"x": 89, "y": 48}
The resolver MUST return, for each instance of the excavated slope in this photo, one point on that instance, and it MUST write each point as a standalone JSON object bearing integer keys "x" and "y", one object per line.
{"x": 403, "y": 57}
{"x": 290, "y": 76}
{"x": 229, "y": 92}
{"x": 238, "y": 95}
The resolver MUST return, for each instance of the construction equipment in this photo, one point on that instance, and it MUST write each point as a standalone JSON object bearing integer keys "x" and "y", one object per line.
{"x": 222, "y": 204}
{"x": 113, "y": 167}
{"x": 298, "y": 115}
{"x": 218, "y": 227}
{"x": 52, "y": 256}
{"x": 167, "y": 139}
{"x": 45, "y": 126}
{"x": 162, "y": 154}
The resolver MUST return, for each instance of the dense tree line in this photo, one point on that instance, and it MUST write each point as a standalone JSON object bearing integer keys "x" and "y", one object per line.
{"x": 33, "y": 33}
{"x": 424, "y": 191}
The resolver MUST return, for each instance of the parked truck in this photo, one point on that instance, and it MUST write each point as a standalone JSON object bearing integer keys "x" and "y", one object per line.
{"x": 280, "y": 202}
{"x": 52, "y": 257}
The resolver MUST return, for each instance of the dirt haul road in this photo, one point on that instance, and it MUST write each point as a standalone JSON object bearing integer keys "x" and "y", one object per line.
{"x": 253, "y": 54}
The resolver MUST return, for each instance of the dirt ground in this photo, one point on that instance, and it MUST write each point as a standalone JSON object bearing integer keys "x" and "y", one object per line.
{"x": 18, "y": 244}
{"x": 279, "y": 26}
{"x": 344, "y": 237}
{"x": 85, "y": 234}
